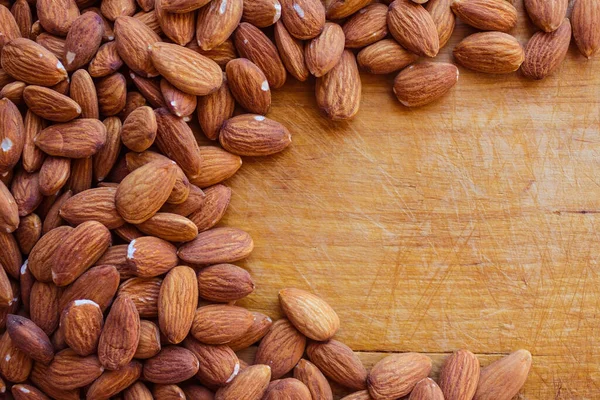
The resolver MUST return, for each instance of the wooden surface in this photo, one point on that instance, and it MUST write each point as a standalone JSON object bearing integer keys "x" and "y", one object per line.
{"x": 470, "y": 223}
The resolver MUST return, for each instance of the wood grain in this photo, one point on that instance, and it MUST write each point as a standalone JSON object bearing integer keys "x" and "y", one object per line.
{"x": 470, "y": 223}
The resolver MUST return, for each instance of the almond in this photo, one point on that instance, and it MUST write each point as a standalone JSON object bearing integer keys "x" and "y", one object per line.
{"x": 502, "y": 379}
{"x": 487, "y": 15}
{"x": 291, "y": 51}
{"x": 217, "y": 165}
{"x": 412, "y": 26}
{"x": 171, "y": 227}
{"x": 29, "y": 232}
{"x": 215, "y": 204}
{"x": 459, "y": 376}
{"x": 149, "y": 19}
{"x": 41, "y": 256}
{"x": 324, "y": 51}
{"x": 98, "y": 284}
{"x": 81, "y": 175}
{"x": 80, "y": 249}
{"x": 218, "y": 245}
{"x": 57, "y": 16}
{"x": 81, "y": 323}
{"x": 307, "y": 373}
{"x": 112, "y": 94}
{"x": 139, "y": 129}
{"x": 360, "y": 395}
{"x": 338, "y": 9}
{"x": 179, "y": 103}
{"x": 339, "y": 91}
{"x": 29, "y": 338}
{"x": 249, "y": 85}
{"x": 254, "y": 135}
{"x": 172, "y": 365}
{"x": 384, "y": 57}
{"x": 113, "y": 9}
{"x": 422, "y": 83}
{"x": 12, "y": 132}
{"x": 261, "y": 324}
{"x": 31, "y": 63}
{"x": 93, "y": 205}
{"x": 149, "y": 256}
{"x": 15, "y": 365}
{"x": 254, "y": 45}
{"x": 83, "y": 92}
{"x": 112, "y": 382}
{"x": 71, "y": 371}
{"x": 396, "y": 375}
{"x": 121, "y": 334}
{"x": 490, "y": 52}
{"x": 141, "y": 194}
{"x": 132, "y": 101}
{"x": 14, "y": 92}
{"x": 443, "y": 18}
{"x": 219, "y": 363}
{"x": 128, "y": 233}
{"x": 76, "y": 139}
{"x": 55, "y": 44}
{"x": 197, "y": 392}
{"x": 304, "y": 19}
{"x": 105, "y": 61}
{"x": 32, "y": 156}
{"x": 132, "y": 38}
{"x": 27, "y": 392}
{"x": 149, "y": 344}
{"x": 220, "y": 54}
{"x": 224, "y": 283}
{"x": 426, "y": 389}
{"x": 213, "y": 109}
{"x": 54, "y": 174}
{"x": 41, "y": 377}
{"x": 219, "y": 324}
{"x": 168, "y": 392}
{"x": 177, "y": 303}
{"x": 144, "y": 293}
{"x": 177, "y": 27}
{"x": 53, "y": 219}
{"x": 288, "y": 388}
{"x": 9, "y": 212}
{"x": 547, "y": 15}
{"x": 339, "y": 363}
{"x": 150, "y": 89}
{"x": 309, "y": 313}
{"x": 137, "y": 391}
{"x": 22, "y": 13}
{"x": 6, "y": 293}
{"x": 25, "y": 188}
{"x": 249, "y": 384}
{"x": 192, "y": 203}
{"x": 83, "y": 40}
{"x": 546, "y": 51}
{"x": 181, "y": 6}
{"x": 281, "y": 348}
{"x": 9, "y": 29}
{"x": 586, "y": 26}
{"x": 261, "y": 13}
{"x": 217, "y": 21}
{"x": 367, "y": 26}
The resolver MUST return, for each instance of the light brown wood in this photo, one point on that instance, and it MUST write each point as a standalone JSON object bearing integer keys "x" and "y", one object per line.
{"x": 470, "y": 223}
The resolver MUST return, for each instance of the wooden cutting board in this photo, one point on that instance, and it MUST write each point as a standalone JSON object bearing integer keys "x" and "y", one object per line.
{"x": 470, "y": 223}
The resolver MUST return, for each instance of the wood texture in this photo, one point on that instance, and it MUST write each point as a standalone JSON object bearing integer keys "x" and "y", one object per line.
{"x": 470, "y": 223}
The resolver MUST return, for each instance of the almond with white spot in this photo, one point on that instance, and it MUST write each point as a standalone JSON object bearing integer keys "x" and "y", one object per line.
{"x": 367, "y": 26}
{"x": 12, "y": 135}
{"x": 81, "y": 323}
{"x": 217, "y": 21}
{"x": 178, "y": 102}
{"x": 304, "y": 19}
{"x": 132, "y": 38}
{"x": 249, "y": 85}
{"x": 150, "y": 256}
{"x": 262, "y": 13}
{"x": 422, "y": 83}
{"x": 83, "y": 40}
{"x": 99, "y": 284}
{"x": 249, "y": 384}
{"x": 27, "y": 61}
{"x": 219, "y": 363}
{"x": 254, "y": 135}
{"x": 50, "y": 104}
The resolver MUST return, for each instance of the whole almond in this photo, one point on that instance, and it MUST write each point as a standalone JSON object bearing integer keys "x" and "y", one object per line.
{"x": 254, "y": 45}
{"x": 288, "y": 388}
{"x": 57, "y": 16}
{"x": 487, "y": 15}
{"x": 132, "y": 38}
{"x": 179, "y": 27}
{"x": 41, "y": 256}
{"x": 459, "y": 376}
{"x": 150, "y": 19}
{"x": 217, "y": 165}
{"x": 27, "y": 61}
{"x": 339, "y": 91}
{"x": 360, "y": 395}
{"x": 29, "y": 232}
{"x": 215, "y": 204}
{"x": 144, "y": 293}
{"x": 261, "y": 324}
{"x": 15, "y": 365}
{"x": 281, "y": 348}
{"x": 112, "y": 94}
{"x": 546, "y": 51}
{"x": 308, "y": 373}
{"x": 137, "y": 391}
{"x": 27, "y": 392}
{"x": 12, "y": 135}
{"x": 367, "y": 26}
{"x": 177, "y": 303}
{"x": 413, "y": 27}
{"x": 71, "y": 371}
{"x": 141, "y": 194}
{"x": 219, "y": 324}
{"x": 384, "y": 57}
{"x": 54, "y": 174}
{"x": 304, "y": 19}
{"x": 254, "y": 135}
{"x": 214, "y": 109}
{"x": 32, "y": 156}
{"x": 490, "y": 52}
{"x": 22, "y": 14}
{"x": 396, "y": 375}
{"x": 173, "y": 364}
{"x": 50, "y": 104}
{"x": 219, "y": 363}
{"x": 98, "y": 284}
{"x": 53, "y": 219}
{"x": 171, "y": 227}
{"x": 112, "y": 382}
{"x": 586, "y": 26}
{"x": 76, "y": 139}
{"x": 249, "y": 85}
{"x": 168, "y": 392}
{"x": 29, "y": 338}
{"x": 106, "y": 157}
{"x": 309, "y": 313}
{"x": 25, "y": 188}
{"x": 81, "y": 175}
{"x": 220, "y": 54}
{"x": 443, "y": 18}
{"x": 339, "y": 363}
{"x": 6, "y": 293}
{"x": 181, "y": 6}
{"x": 179, "y": 103}
{"x": 224, "y": 283}
{"x": 105, "y": 61}
{"x": 55, "y": 44}
{"x": 83, "y": 92}
{"x": 546, "y": 15}
{"x": 121, "y": 334}
{"x": 426, "y": 389}
{"x": 14, "y": 92}
{"x": 139, "y": 129}
{"x": 81, "y": 322}
{"x": 217, "y": 21}
{"x": 150, "y": 90}
{"x": 41, "y": 377}
{"x": 249, "y": 384}
{"x": 149, "y": 256}
{"x": 83, "y": 40}
{"x": 192, "y": 203}
{"x": 9, "y": 29}
{"x": 261, "y": 13}
{"x": 217, "y": 245}
{"x": 324, "y": 51}
{"x": 502, "y": 379}
{"x": 291, "y": 51}
{"x": 113, "y": 9}
{"x": 422, "y": 83}
{"x": 149, "y": 344}
{"x": 9, "y": 212}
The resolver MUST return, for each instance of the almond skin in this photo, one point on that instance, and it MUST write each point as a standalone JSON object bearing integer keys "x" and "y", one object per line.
{"x": 27, "y": 392}
{"x": 55, "y": 44}
{"x": 546, "y": 51}
{"x": 254, "y": 135}
{"x": 83, "y": 40}
{"x": 218, "y": 245}
{"x": 149, "y": 256}
{"x": 21, "y": 59}
{"x": 291, "y": 51}
{"x": 99, "y": 284}
{"x": 41, "y": 378}
{"x": 81, "y": 322}
{"x": 487, "y": 15}
{"x": 192, "y": 203}
{"x": 367, "y": 26}
{"x": 324, "y": 51}
{"x": 112, "y": 94}
{"x": 360, "y": 395}
{"x": 384, "y": 57}
{"x": 443, "y": 18}
{"x": 57, "y": 16}
{"x": 29, "y": 232}
{"x": 281, "y": 348}
{"x": 22, "y": 13}
{"x": 339, "y": 363}
{"x": 112, "y": 9}
{"x": 220, "y": 54}
{"x": 219, "y": 324}
{"x": 71, "y": 371}
{"x": 546, "y": 15}
{"x": 396, "y": 375}
{"x": 426, "y": 389}
{"x": 177, "y": 303}
{"x": 249, "y": 85}
{"x": 459, "y": 376}
{"x": 217, "y": 21}
{"x": 261, "y": 13}
{"x": 422, "y": 83}
{"x": 93, "y": 204}
{"x": 139, "y": 129}
{"x": 412, "y": 26}
{"x": 586, "y": 26}
{"x": 80, "y": 138}
{"x": 120, "y": 336}
{"x": 309, "y": 313}
{"x": 137, "y": 391}
{"x": 171, "y": 227}
{"x": 132, "y": 38}
{"x": 224, "y": 283}
{"x": 41, "y": 256}
{"x": 12, "y": 135}
{"x": 339, "y": 91}
{"x": 490, "y": 52}
{"x": 250, "y": 384}
{"x": 179, "y": 103}
{"x": 288, "y": 388}
{"x": 105, "y": 61}
{"x": 308, "y": 373}
{"x": 25, "y": 188}
{"x": 219, "y": 363}
{"x": 179, "y": 27}
{"x": 304, "y": 19}
{"x": 214, "y": 109}
{"x": 144, "y": 293}
{"x": 173, "y": 364}
{"x": 149, "y": 344}
{"x": 112, "y": 382}
{"x": 217, "y": 165}
{"x": 503, "y": 379}
{"x": 15, "y": 365}
{"x": 54, "y": 174}
{"x": 29, "y": 338}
